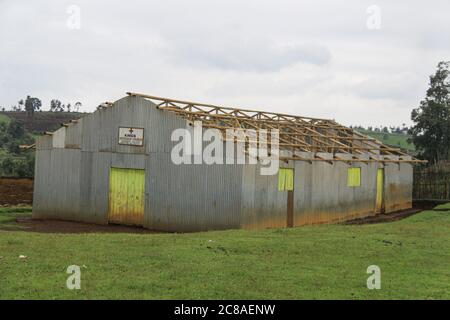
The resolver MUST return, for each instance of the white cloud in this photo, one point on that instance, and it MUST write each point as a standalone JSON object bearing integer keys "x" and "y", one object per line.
{"x": 313, "y": 58}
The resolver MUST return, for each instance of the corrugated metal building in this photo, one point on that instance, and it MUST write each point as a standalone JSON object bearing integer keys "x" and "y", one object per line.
{"x": 92, "y": 171}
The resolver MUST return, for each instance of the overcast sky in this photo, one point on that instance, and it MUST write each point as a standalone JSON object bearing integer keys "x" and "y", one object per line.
{"x": 333, "y": 59}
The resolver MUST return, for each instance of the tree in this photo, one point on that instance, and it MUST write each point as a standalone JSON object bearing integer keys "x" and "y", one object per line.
{"x": 431, "y": 130}
{"x": 25, "y": 167}
{"x": 15, "y": 129}
{"x": 4, "y": 137}
{"x": 7, "y": 166}
{"x": 20, "y": 104}
{"x": 77, "y": 106}
{"x": 55, "y": 105}
{"x": 31, "y": 104}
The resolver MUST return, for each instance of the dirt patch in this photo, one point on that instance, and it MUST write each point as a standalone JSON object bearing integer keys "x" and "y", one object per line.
{"x": 16, "y": 191}
{"x": 389, "y": 217}
{"x": 43, "y": 121}
{"x": 428, "y": 204}
{"x": 57, "y": 226}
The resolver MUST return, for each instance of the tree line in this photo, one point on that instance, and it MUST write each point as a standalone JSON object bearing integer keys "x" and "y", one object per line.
{"x": 32, "y": 104}
{"x": 383, "y": 129}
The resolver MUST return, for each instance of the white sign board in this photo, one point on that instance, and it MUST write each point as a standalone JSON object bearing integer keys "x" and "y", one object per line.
{"x": 131, "y": 136}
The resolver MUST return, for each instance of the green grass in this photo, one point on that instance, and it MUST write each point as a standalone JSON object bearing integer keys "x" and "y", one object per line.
{"x": 445, "y": 206}
{"x": 391, "y": 139}
{"x": 4, "y": 118}
{"x": 8, "y": 216}
{"x": 313, "y": 262}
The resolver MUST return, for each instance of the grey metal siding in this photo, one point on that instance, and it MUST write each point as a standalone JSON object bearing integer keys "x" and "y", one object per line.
{"x": 398, "y": 186}
{"x": 73, "y": 184}
{"x": 191, "y": 197}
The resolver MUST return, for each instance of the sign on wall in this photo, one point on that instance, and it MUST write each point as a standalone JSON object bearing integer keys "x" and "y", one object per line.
{"x": 131, "y": 136}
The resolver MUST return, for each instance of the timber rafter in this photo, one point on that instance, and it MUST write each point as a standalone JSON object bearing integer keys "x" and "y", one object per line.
{"x": 296, "y": 133}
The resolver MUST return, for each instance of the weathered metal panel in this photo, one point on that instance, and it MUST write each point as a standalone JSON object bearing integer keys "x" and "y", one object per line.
{"x": 74, "y": 184}
{"x": 73, "y": 135}
{"x": 100, "y": 185}
{"x": 58, "y": 184}
{"x": 44, "y": 142}
{"x": 88, "y": 210}
{"x": 90, "y": 129}
{"x": 191, "y": 197}
{"x": 398, "y": 186}
{"x": 321, "y": 194}
{"x": 59, "y": 138}
{"x": 41, "y": 182}
{"x": 263, "y": 205}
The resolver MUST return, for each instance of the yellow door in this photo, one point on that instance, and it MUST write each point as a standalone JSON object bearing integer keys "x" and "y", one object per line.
{"x": 380, "y": 191}
{"x": 126, "y": 196}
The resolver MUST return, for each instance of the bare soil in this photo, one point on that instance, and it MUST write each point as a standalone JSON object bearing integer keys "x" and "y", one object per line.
{"x": 59, "y": 226}
{"x": 43, "y": 120}
{"x": 16, "y": 191}
{"x": 393, "y": 216}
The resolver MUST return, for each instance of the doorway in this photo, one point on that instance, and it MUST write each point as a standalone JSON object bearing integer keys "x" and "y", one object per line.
{"x": 379, "y": 206}
{"x": 126, "y": 196}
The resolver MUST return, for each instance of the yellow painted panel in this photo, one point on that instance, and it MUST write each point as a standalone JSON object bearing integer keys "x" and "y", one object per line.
{"x": 126, "y": 196}
{"x": 354, "y": 177}
{"x": 380, "y": 189}
{"x": 285, "y": 179}
{"x": 281, "y": 179}
{"x": 289, "y": 184}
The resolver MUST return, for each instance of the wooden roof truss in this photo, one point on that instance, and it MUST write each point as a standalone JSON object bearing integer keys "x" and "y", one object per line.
{"x": 296, "y": 134}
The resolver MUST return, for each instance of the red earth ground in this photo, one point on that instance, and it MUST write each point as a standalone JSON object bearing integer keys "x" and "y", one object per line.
{"x": 57, "y": 226}
{"x": 15, "y": 191}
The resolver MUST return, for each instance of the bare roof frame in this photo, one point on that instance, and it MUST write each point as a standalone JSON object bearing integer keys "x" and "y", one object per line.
{"x": 296, "y": 133}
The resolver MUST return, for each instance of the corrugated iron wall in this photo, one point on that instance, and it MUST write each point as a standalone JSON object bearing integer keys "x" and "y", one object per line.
{"x": 321, "y": 194}
{"x": 73, "y": 182}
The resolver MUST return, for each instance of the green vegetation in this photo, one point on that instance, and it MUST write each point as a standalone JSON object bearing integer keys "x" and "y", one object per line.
{"x": 430, "y": 133}
{"x": 4, "y": 118}
{"x": 391, "y": 139}
{"x": 42, "y": 120}
{"x": 317, "y": 262}
{"x": 22, "y": 128}
{"x": 445, "y": 206}
{"x": 13, "y": 161}
{"x": 9, "y": 215}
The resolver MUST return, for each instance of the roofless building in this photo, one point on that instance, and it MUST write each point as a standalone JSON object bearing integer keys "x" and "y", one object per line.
{"x": 152, "y": 162}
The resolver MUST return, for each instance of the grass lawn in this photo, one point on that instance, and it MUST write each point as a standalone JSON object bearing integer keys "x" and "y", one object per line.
{"x": 445, "y": 206}
{"x": 315, "y": 262}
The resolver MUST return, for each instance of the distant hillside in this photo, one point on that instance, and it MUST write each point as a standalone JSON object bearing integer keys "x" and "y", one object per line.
{"x": 391, "y": 139}
{"x": 42, "y": 120}
{"x": 17, "y": 162}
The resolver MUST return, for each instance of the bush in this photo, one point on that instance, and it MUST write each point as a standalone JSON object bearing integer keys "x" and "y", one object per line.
{"x": 17, "y": 167}
{"x": 7, "y": 166}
